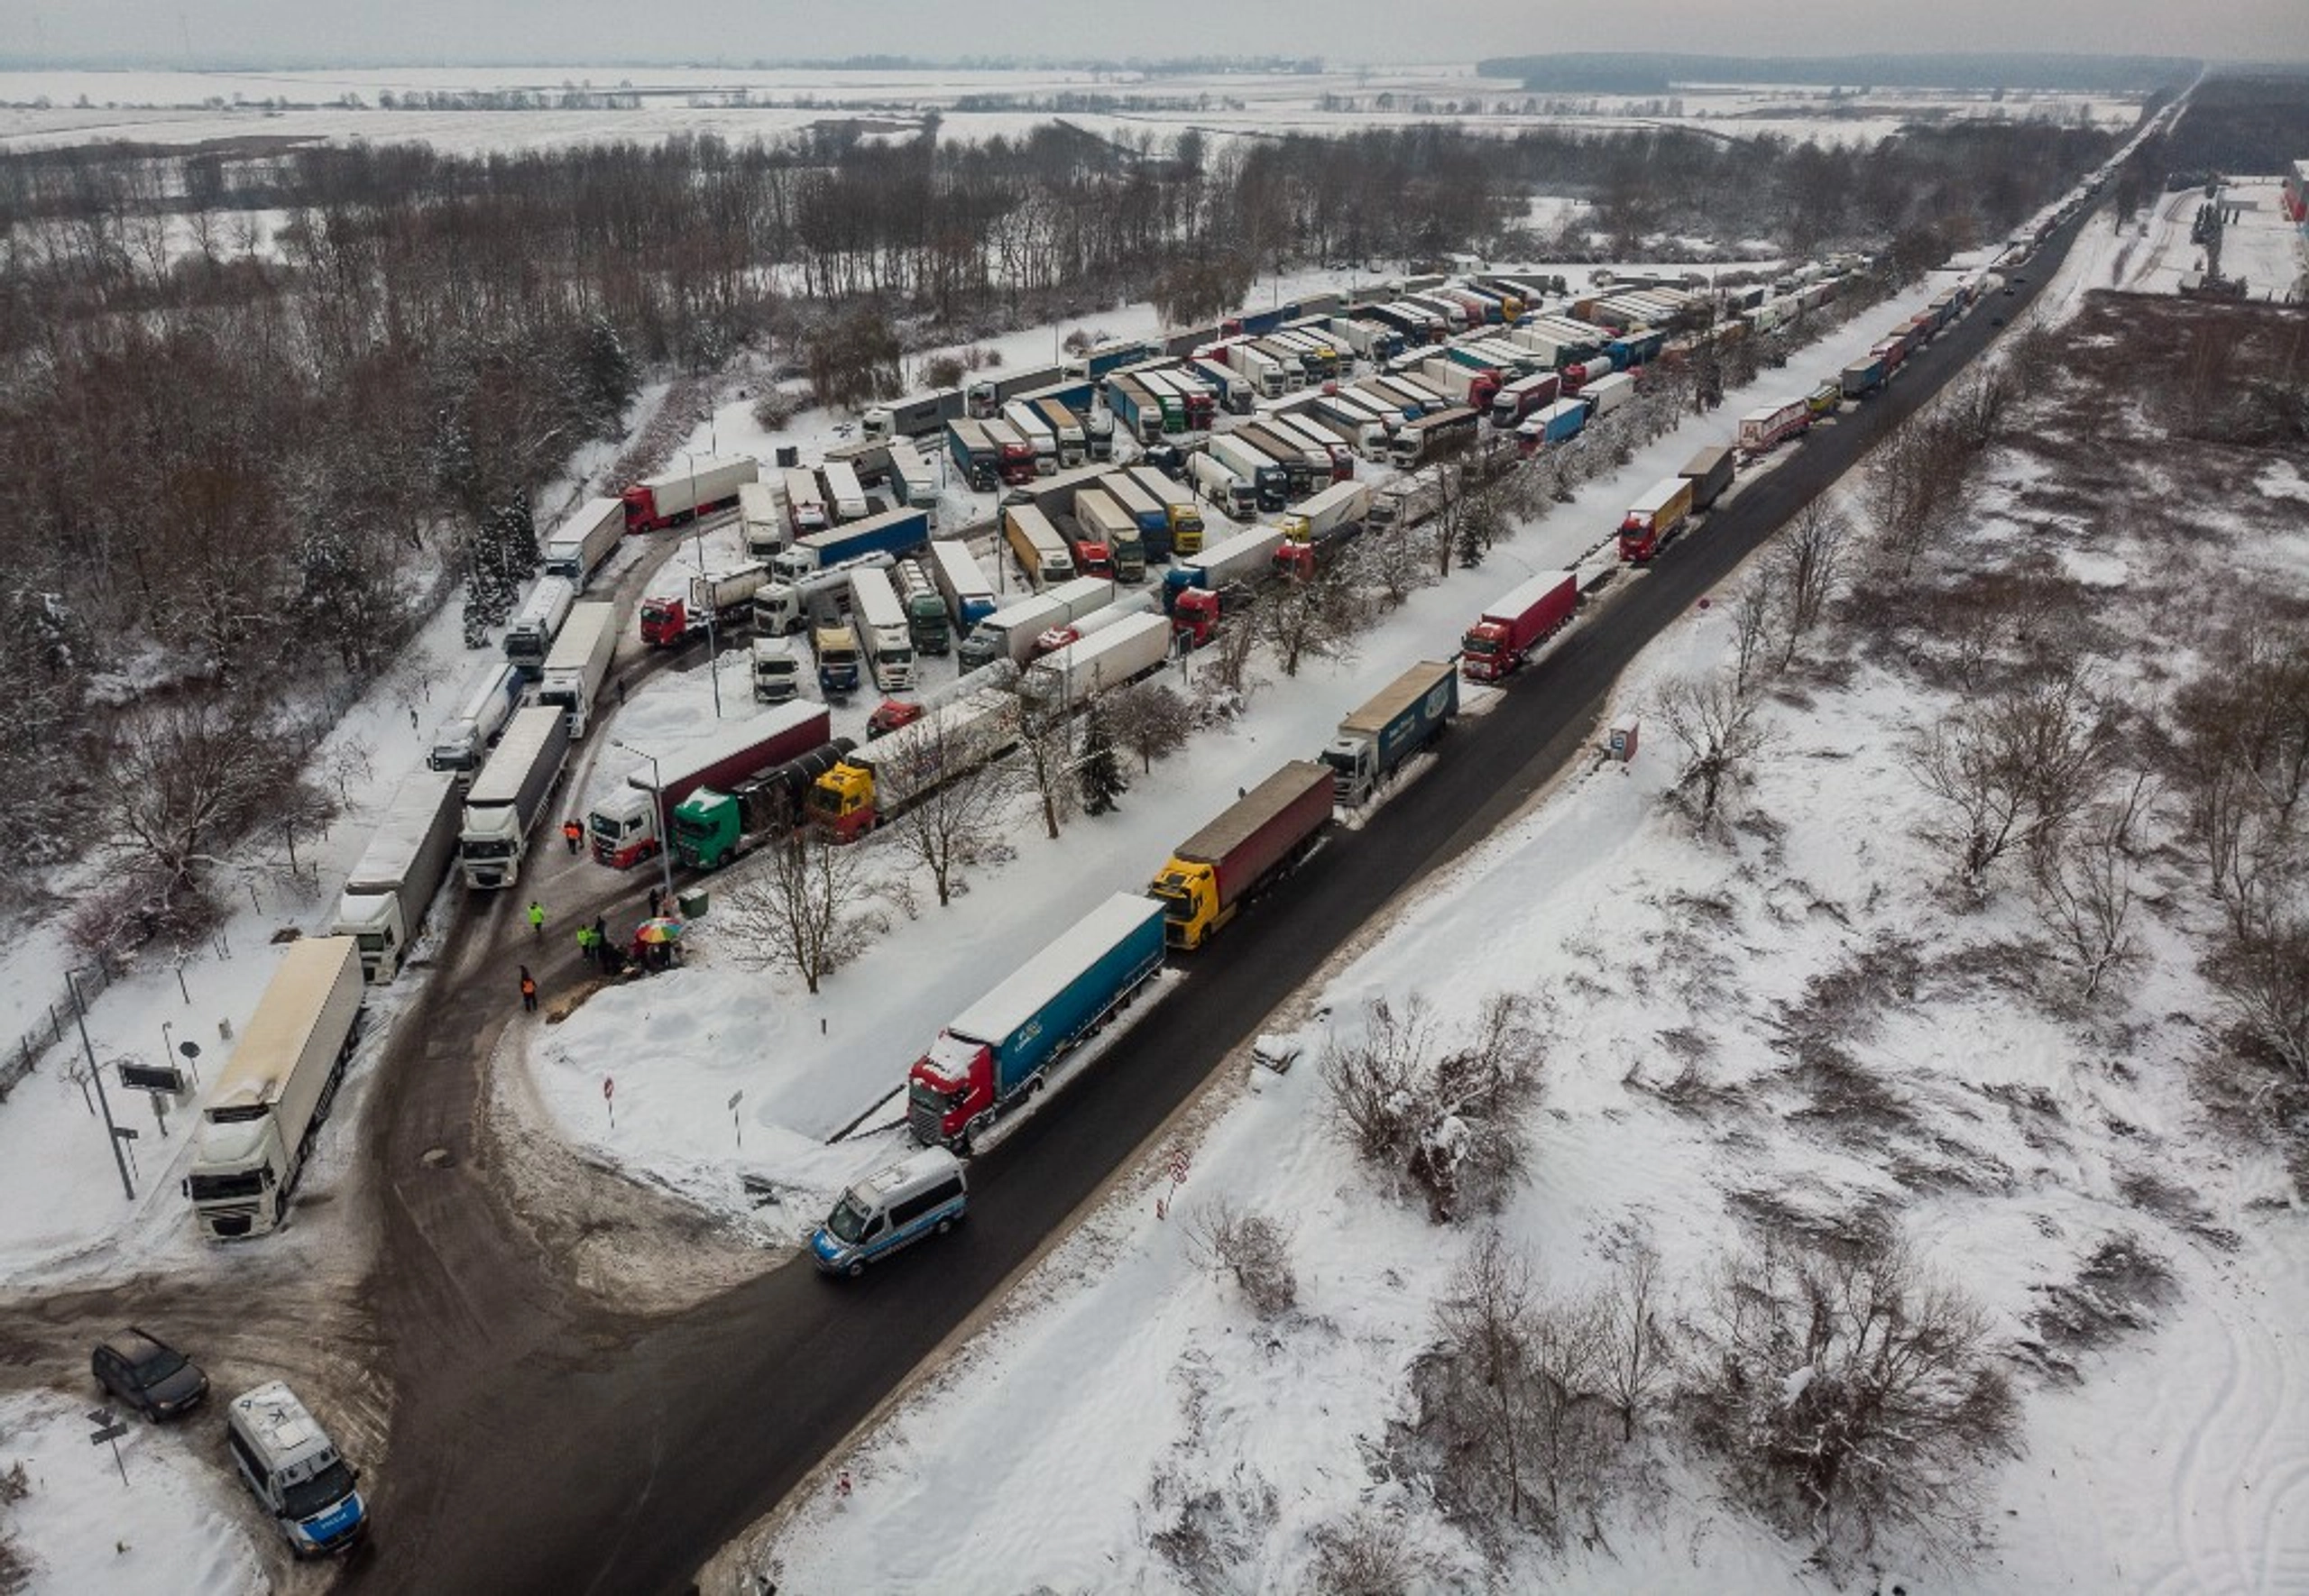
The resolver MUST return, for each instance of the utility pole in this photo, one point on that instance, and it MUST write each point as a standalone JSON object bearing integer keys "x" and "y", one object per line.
{"x": 112, "y": 1131}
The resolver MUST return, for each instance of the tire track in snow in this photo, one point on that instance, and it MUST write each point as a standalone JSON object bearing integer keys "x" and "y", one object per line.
{"x": 2240, "y": 1506}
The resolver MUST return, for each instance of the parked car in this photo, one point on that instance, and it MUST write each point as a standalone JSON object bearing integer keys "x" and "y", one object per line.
{"x": 148, "y": 1374}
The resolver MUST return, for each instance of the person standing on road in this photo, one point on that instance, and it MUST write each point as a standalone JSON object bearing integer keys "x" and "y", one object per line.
{"x": 572, "y": 832}
{"x": 586, "y": 942}
{"x": 529, "y": 991}
{"x": 654, "y": 896}
{"x": 537, "y": 921}
{"x": 601, "y": 941}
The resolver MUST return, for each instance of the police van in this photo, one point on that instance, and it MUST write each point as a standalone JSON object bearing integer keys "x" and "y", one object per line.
{"x": 295, "y": 1469}
{"x": 921, "y": 1195}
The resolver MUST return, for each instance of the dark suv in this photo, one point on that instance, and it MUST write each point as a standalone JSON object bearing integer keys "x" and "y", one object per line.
{"x": 148, "y": 1374}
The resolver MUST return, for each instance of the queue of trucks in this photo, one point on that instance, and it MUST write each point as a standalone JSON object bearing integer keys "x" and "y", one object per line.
{"x": 633, "y": 824}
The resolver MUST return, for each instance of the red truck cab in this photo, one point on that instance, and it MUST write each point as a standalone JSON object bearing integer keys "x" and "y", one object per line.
{"x": 1093, "y": 559}
{"x": 665, "y": 620}
{"x": 955, "y": 1078}
{"x": 889, "y": 715}
{"x": 1638, "y": 540}
{"x": 641, "y": 510}
{"x": 1296, "y": 560}
{"x": 1196, "y": 613}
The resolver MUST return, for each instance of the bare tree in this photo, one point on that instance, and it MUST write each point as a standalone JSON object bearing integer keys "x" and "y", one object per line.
{"x": 1150, "y": 719}
{"x": 1483, "y": 492}
{"x": 2261, "y": 970}
{"x": 1808, "y": 563}
{"x": 806, "y": 908}
{"x": 1850, "y": 1396}
{"x": 1252, "y": 1249}
{"x": 1450, "y": 1122}
{"x": 1755, "y": 613}
{"x": 955, "y": 821}
{"x": 1321, "y": 617}
{"x": 1511, "y": 1401}
{"x": 1636, "y": 1364}
{"x": 2013, "y": 769}
{"x": 2085, "y": 898}
{"x": 1720, "y": 723}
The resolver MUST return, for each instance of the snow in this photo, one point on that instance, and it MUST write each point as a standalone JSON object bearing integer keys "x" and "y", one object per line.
{"x": 2261, "y": 246}
{"x": 43, "y": 108}
{"x": 81, "y": 1529}
{"x": 1125, "y": 1378}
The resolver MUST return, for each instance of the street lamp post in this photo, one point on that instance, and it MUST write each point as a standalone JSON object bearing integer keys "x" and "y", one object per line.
{"x": 657, "y": 790}
{"x": 698, "y": 549}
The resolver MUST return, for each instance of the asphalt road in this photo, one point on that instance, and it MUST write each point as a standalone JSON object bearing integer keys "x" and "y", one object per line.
{"x": 542, "y": 1445}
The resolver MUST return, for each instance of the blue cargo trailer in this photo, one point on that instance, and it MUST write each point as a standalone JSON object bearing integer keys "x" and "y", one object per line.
{"x": 998, "y": 1050}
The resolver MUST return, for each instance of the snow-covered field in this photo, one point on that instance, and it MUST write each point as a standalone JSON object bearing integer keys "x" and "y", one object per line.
{"x": 2261, "y": 246}
{"x": 51, "y": 109}
{"x": 1123, "y": 1424}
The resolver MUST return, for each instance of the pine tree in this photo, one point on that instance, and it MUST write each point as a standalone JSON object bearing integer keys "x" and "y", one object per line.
{"x": 1099, "y": 771}
{"x": 607, "y": 378}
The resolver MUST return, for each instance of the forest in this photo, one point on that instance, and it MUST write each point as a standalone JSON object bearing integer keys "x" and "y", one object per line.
{"x": 262, "y": 408}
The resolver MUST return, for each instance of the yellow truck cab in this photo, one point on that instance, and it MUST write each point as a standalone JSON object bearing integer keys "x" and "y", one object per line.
{"x": 843, "y": 801}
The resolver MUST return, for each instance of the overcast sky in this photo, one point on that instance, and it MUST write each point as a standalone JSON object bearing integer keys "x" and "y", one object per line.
{"x": 448, "y": 31}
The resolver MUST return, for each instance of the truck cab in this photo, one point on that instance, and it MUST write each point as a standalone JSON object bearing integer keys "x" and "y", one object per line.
{"x": 293, "y": 1468}
{"x": 776, "y": 674}
{"x": 624, "y": 828}
{"x": 1355, "y": 768}
{"x": 836, "y": 647}
{"x": 1188, "y": 889}
{"x": 842, "y": 800}
{"x": 665, "y": 620}
{"x": 949, "y": 1091}
{"x": 491, "y": 845}
{"x": 707, "y": 829}
{"x": 1195, "y": 611}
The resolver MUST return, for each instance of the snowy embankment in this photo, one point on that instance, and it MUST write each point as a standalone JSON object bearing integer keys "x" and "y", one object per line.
{"x": 1130, "y": 1424}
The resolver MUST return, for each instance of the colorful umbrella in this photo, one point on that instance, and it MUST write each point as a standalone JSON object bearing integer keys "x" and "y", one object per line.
{"x": 660, "y": 930}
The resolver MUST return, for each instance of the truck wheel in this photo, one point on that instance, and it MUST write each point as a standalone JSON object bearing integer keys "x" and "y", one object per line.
{"x": 857, "y": 1267}
{"x": 944, "y": 1226}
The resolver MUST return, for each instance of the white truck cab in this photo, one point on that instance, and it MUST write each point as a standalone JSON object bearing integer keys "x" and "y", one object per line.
{"x": 294, "y": 1469}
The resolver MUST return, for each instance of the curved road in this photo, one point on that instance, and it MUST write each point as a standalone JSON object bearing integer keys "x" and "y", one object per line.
{"x": 543, "y": 1445}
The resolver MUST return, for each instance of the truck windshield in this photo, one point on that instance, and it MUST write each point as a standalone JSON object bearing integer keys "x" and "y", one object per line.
{"x": 321, "y": 1492}
{"x": 488, "y": 850}
{"x": 848, "y": 1219}
{"x": 208, "y": 1188}
{"x": 1475, "y": 644}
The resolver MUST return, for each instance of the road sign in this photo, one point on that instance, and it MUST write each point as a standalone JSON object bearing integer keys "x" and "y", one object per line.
{"x": 737, "y": 1097}
{"x": 151, "y": 1077}
{"x": 126, "y": 1132}
{"x": 191, "y": 1049}
{"x": 110, "y": 1432}
{"x": 608, "y": 1089}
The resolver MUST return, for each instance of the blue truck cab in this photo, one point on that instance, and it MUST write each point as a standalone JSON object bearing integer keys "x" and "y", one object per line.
{"x": 925, "y": 1194}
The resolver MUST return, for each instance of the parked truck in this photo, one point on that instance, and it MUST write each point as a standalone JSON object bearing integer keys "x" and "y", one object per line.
{"x": 997, "y": 1054}
{"x": 268, "y": 1107}
{"x": 805, "y": 502}
{"x": 1259, "y": 839}
{"x": 1074, "y": 443}
{"x": 716, "y": 598}
{"x": 465, "y": 737}
{"x": 1521, "y": 397}
{"x": 1407, "y": 716}
{"x": 1504, "y": 635}
{"x": 1041, "y": 553}
{"x": 783, "y": 608}
{"x": 1407, "y": 500}
{"x": 1269, "y": 480}
{"x": 1340, "y": 504}
{"x": 1026, "y": 421}
{"x": 1244, "y": 557}
{"x": 962, "y": 582}
{"x": 529, "y": 635}
{"x": 1074, "y": 631}
{"x": 1652, "y": 521}
{"x": 579, "y": 665}
{"x": 975, "y": 459}
{"x": 775, "y": 671}
{"x": 1182, "y": 529}
{"x": 1013, "y": 454}
{"x": 711, "y": 826}
{"x": 928, "y": 622}
{"x": 923, "y": 415}
{"x": 1009, "y": 633}
{"x": 587, "y": 539}
{"x": 387, "y": 896}
{"x": 632, "y": 824}
{"x": 1105, "y": 523}
{"x": 834, "y": 644}
{"x": 1709, "y": 472}
{"x": 1107, "y": 658}
{"x": 677, "y": 498}
{"x": 1770, "y": 425}
{"x": 1604, "y": 398}
{"x": 1152, "y": 514}
{"x": 766, "y": 524}
{"x": 505, "y": 800}
{"x": 989, "y": 394}
{"x": 1220, "y": 482}
{"x": 1862, "y": 378}
{"x": 875, "y": 781}
{"x": 893, "y": 532}
{"x": 1430, "y": 437}
{"x": 883, "y": 634}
